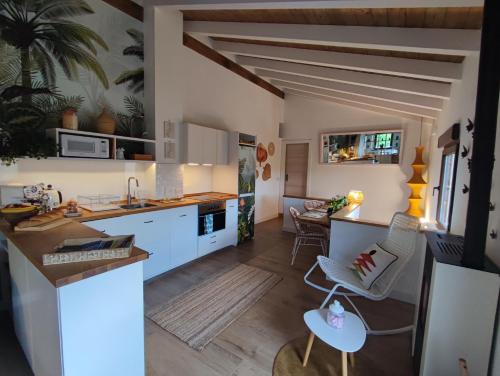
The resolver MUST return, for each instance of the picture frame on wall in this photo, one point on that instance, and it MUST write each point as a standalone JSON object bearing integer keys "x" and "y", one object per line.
{"x": 377, "y": 147}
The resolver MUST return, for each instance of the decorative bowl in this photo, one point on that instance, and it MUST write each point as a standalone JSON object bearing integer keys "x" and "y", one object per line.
{"x": 18, "y": 213}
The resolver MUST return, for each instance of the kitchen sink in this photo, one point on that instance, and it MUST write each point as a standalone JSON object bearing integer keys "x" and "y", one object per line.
{"x": 137, "y": 206}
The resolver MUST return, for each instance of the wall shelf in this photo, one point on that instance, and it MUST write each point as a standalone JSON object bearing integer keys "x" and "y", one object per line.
{"x": 115, "y": 142}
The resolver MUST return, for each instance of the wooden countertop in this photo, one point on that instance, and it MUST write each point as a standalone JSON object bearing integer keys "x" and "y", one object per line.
{"x": 35, "y": 244}
{"x": 341, "y": 215}
{"x": 160, "y": 205}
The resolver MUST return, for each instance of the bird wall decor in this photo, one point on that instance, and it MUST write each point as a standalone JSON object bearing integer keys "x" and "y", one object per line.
{"x": 469, "y": 126}
{"x": 465, "y": 151}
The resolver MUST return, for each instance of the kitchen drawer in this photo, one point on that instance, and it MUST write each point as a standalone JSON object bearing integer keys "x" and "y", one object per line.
{"x": 209, "y": 243}
{"x": 231, "y": 213}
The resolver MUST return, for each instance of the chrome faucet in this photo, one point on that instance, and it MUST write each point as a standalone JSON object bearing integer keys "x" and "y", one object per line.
{"x": 129, "y": 196}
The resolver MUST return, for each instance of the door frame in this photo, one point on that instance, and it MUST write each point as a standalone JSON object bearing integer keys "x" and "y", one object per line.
{"x": 284, "y": 143}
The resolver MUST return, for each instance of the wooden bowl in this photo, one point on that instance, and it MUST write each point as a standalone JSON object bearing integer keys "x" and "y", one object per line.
{"x": 14, "y": 215}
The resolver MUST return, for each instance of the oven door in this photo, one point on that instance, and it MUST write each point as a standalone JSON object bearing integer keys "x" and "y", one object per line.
{"x": 219, "y": 222}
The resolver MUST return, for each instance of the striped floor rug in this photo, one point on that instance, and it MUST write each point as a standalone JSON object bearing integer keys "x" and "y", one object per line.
{"x": 199, "y": 314}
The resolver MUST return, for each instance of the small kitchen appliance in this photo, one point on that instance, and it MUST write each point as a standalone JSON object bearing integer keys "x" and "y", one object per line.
{"x": 72, "y": 145}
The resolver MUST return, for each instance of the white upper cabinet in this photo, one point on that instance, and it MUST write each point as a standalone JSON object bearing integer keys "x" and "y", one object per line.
{"x": 209, "y": 145}
{"x": 222, "y": 147}
{"x": 205, "y": 145}
{"x": 194, "y": 144}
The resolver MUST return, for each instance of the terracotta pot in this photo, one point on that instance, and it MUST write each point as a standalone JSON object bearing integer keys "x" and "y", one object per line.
{"x": 69, "y": 119}
{"x": 105, "y": 123}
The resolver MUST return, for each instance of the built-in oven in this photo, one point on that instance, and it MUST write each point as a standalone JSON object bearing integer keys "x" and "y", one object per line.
{"x": 211, "y": 217}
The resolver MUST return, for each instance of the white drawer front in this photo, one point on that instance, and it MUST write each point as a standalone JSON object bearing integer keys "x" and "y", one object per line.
{"x": 209, "y": 243}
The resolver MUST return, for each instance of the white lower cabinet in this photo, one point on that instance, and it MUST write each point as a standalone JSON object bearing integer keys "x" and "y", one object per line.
{"x": 183, "y": 228}
{"x": 170, "y": 236}
{"x": 90, "y": 327}
{"x": 222, "y": 238}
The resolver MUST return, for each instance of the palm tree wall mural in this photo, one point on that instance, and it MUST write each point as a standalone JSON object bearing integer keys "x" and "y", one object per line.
{"x": 41, "y": 32}
{"x": 55, "y": 52}
{"x": 134, "y": 78}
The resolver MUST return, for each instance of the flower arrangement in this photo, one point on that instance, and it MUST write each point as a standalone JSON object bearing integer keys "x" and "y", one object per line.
{"x": 337, "y": 203}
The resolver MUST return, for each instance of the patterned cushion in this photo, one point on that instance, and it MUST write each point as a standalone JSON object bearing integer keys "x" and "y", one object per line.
{"x": 371, "y": 264}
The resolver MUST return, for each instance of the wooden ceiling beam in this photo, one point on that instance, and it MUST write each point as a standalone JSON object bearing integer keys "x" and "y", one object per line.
{"x": 220, "y": 59}
{"x": 423, "y": 40}
{"x": 408, "y": 109}
{"x": 396, "y": 84}
{"x": 311, "y": 4}
{"x": 427, "y": 70}
{"x": 363, "y": 91}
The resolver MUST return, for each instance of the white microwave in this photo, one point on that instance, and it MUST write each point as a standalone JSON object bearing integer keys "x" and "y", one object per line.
{"x": 72, "y": 145}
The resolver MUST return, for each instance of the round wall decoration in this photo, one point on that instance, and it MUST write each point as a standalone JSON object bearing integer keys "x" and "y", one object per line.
{"x": 271, "y": 148}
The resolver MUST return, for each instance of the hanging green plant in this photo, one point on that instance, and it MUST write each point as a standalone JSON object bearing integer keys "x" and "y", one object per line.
{"x": 22, "y": 130}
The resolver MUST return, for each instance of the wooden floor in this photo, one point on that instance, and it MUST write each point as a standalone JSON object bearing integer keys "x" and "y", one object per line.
{"x": 248, "y": 346}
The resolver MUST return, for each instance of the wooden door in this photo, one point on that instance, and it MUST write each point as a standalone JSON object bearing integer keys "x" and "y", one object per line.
{"x": 296, "y": 161}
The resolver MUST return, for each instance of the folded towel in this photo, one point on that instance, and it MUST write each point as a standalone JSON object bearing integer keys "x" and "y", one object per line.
{"x": 209, "y": 223}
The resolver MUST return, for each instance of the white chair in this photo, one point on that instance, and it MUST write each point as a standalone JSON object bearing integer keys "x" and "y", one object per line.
{"x": 313, "y": 204}
{"x": 307, "y": 234}
{"x": 401, "y": 240}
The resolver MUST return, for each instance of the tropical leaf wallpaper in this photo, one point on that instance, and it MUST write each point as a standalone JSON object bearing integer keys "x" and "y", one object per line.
{"x": 60, "y": 54}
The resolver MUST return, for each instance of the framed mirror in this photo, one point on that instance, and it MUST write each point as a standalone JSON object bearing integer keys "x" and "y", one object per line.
{"x": 370, "y": 147}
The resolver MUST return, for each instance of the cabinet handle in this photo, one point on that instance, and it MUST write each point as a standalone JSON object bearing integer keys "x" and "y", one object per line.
{"x": 149, "y": 221}
{"x": 183, "y": 215}
{"x": 215, "y": 241}
{"x": 213, "y": 237}
{"x": 151, "y": 253}
{"x": 102, "y": 230}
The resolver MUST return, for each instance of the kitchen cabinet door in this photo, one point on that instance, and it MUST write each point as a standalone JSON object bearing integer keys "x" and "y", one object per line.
{"x": 209, "y": 145}
{"x": 194, "y": 143}
{"x": 152, "y": 235}
{"x": 183, "y": 227}
{"x": 222, "y": 147}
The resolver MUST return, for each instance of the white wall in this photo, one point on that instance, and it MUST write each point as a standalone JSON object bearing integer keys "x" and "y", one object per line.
{"x": 459, "y": 108}
{"x": 182, "y": 85}
{"x": 383, "y": 185}
{"x": 76, "y": 177}
{"x": 218, "y": 98}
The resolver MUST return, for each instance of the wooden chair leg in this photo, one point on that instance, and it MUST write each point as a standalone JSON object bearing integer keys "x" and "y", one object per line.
{"x": 351, "y": 360}
{"x": 344, "y": 363}
{"x": 294, "y": 250}
{"x": 308, "y": 349}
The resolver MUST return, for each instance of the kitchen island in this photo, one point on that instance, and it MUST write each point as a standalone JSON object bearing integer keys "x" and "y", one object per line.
{"x": 88, "y": 318}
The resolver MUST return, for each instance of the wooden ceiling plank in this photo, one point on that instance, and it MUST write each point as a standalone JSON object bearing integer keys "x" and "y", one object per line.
{"x": 356, "y": 105}
{"x": 429, "y": 70}
{"x": 312, "y": 4}
{"x": 387, "y": 95}
{"x": 357, "y": 99}
{"x": 397, "y": 84}
{"x": 474, "y": 19}
{"x": 443, "y": 41}
{"x": 434, "y": 17}
{"x": 430, "y": 17}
